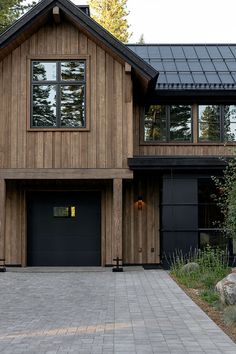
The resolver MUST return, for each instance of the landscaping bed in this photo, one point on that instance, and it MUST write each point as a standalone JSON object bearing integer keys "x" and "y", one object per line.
{"x": 197, "y": 274}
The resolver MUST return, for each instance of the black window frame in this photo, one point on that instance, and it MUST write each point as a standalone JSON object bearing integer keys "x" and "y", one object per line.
{"x": 213, "y": 228}
{"x": 168, "y": 125}
{"x": 58, "y": 83}
{"x": 221, "y": 124}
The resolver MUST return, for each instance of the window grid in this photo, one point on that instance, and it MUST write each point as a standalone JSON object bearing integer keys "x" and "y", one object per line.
{"x": 58, "y": 83}
{"x": 169, "y": 126}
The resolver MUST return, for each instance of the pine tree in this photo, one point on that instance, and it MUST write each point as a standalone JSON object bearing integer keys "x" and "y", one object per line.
{"x": 44, "y": 105}
{"x": 10, "y": 10}
{"x": 209, "y": 124}
{"x": 141, "y": 39}
{"x": 111, "y": 14}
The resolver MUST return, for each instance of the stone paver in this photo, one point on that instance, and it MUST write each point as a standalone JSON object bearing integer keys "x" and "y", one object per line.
{"x": 135, "y": 312}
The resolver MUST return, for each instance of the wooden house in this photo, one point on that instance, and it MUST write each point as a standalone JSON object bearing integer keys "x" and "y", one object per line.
{"x": 106, "y": 149}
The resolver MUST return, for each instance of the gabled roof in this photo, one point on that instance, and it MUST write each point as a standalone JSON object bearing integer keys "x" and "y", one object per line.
{"x": 42, "y": 12}
{"x": 191, "y": 66}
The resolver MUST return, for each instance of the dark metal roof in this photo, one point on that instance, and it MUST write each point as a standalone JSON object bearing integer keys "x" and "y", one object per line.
{"x": 191, "y": 66}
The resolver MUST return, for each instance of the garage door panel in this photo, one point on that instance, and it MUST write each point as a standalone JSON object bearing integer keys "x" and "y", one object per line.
{"x": 68, "y": 243}
{"x": 61, "y": 258}
{"x": 64, "y": 241}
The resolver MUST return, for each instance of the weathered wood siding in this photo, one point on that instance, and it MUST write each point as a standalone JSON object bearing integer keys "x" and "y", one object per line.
{"x": 141, "y": 228}
{"x": 173, "y": 149}
{"x": 107, "y": 144}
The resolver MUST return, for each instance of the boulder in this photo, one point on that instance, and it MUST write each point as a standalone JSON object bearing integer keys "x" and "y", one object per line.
{"x": 190, "y": 267}
{"x": 227, "y": 289}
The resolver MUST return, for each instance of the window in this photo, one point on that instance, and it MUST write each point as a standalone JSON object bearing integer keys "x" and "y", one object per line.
{"x": 58, "y": 94}
{"x": 64, "y": 212}
{"x": 168, "y": 124}
{"x": 217, "y": 123}
{"x": 209, "y": 215}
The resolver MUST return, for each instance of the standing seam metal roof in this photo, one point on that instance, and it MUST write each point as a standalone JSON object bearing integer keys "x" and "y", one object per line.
{"x": 191, "y": 66}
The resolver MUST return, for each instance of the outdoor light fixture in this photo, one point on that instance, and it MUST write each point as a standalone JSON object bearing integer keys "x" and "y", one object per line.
{"x": 140, "y": 202}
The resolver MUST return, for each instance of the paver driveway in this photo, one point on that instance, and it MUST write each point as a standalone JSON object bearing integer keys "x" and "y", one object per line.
{"x": 103, "y": 312}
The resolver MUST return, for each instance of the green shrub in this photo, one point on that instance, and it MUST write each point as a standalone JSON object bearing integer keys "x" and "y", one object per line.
{"x": 210, "y": 296}
{"x": 230, "y": 315}
{"x": 210, "y": 278}
{"x": 213, "y": 266}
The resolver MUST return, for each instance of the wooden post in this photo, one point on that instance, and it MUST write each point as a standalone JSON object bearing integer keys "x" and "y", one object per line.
{"x": 117, "y": 218}
{"x": 2, "y": 218}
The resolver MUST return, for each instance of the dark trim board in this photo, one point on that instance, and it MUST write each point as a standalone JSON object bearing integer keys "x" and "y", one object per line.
{"x": 175, "y": 162}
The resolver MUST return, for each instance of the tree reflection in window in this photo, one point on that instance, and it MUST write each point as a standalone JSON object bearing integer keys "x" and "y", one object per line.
{"x": 155, "y": 124}
{"x": 168, "y": 123}
{"x": 58, "y": 94}
{"x": 217, "y": 123}
{"x": 209, "y": 123}
{"x": 180, "y": 123}
{"x": 230, "y": 123}
{"x": 72, "y": 106}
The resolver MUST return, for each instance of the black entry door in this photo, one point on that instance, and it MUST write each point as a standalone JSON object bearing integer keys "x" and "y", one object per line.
{"x": 64, "y": 229}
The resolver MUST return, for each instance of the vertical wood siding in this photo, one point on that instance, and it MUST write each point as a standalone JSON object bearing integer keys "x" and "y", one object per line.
{"x": 141, "y": 228}
{"x": 107, "y": 143}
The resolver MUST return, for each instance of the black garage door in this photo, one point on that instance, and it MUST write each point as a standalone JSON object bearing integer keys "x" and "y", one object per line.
{"x": 64, "y": 229}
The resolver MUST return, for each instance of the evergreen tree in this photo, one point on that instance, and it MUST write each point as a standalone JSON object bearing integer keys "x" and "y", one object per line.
{"x": 10, "y": 10}
{"x": 210, "y": 124}
{"x": 141, "y": 39}
{"x": 73, "y": 96}
{"x": 229, "y": 122}
{"x": 111, "y": 14}
{"x": 44, "y": 100}
{"x": 180, "y": 123}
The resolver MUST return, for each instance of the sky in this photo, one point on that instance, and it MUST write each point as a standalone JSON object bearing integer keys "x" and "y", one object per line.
{"x": 181, "y": 21}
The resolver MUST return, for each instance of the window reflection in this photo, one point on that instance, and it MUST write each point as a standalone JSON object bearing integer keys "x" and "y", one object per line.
{"x": 72, "y": 106}
{"x": 58, "y": 94}
{"x": 44, "y": 105}
{"x": 180, "y": 123}
{"x": 155, "y": 124}
{"x": 230, "y": 123}
{"x": 73, "y": 71}
{"x": 43, "y": 71}
{"x": 168, "y": 123}
{"x": 209, "y": 123}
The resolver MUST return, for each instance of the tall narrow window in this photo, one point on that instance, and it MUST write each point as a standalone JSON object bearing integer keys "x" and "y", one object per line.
{"x": 209, "y": 123}
{"x": 58, "y": 94}
{"x": 209, "y": 215}
{"x": 229, "y": 122}
{"x": 155, "y": 124}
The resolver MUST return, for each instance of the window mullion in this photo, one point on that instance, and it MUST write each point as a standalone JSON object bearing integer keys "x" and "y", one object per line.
{"x": 168, "y": 124}
{"x": 221, "y": 123}
{"x": 58, "y": 102}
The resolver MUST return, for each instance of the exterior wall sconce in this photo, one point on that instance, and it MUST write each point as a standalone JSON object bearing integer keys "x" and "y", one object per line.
{"x": 140, "y": 202}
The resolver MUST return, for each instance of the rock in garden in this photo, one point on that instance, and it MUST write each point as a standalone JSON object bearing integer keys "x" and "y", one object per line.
{"x": 227, "y": 289}
{"x": 190, "y": 267}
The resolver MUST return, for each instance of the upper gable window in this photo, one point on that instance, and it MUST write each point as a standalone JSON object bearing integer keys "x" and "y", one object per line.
{"x": 168, "y": 124}
{"x": 217, "y": 123}
{"x": 58, "y": 94}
